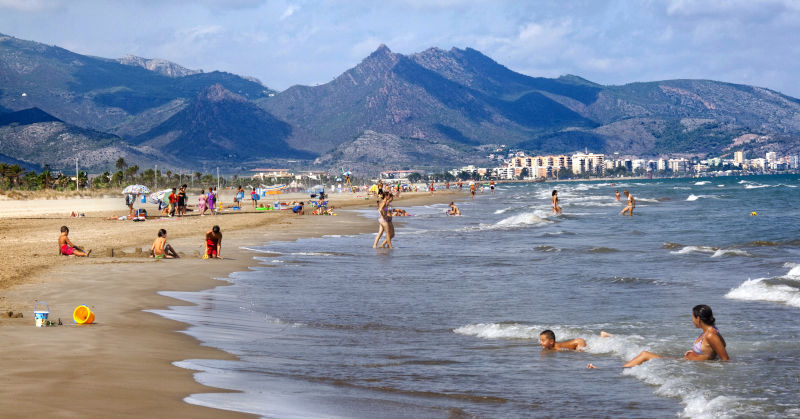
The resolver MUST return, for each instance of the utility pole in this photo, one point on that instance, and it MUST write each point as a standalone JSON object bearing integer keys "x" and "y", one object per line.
{"x": 155, "y": 179}
{"x": 77, "y": 180}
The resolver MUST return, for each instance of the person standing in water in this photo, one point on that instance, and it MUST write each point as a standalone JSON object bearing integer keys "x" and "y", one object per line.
{"x": 556, "y": 208}
{"x": 491, "y": 186}
{"x": 708, "y": 346}
{"x": 385, "y": 222}
{"x": 616, "y": 194}
{"x": 631, "y": 204}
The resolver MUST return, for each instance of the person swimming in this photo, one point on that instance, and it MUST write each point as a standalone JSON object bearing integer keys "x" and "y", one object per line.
{"x": 547, "y": 340}
{"x": 708, "y": 346}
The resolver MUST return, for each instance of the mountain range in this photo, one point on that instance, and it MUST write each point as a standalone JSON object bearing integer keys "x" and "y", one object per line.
{"x": 434, "y": 108}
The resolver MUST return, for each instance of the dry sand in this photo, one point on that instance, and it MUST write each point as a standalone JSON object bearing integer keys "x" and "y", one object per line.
{"x": 121, "y": 365}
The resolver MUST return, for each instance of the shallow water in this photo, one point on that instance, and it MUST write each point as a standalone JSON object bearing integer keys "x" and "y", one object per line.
{"x": 447, "y": 323}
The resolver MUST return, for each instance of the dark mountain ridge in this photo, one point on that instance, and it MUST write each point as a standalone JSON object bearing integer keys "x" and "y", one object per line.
{"x": 449, "y": 101}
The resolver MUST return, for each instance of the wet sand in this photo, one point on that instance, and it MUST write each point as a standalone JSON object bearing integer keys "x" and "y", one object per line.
{"x": 122, "y": 364}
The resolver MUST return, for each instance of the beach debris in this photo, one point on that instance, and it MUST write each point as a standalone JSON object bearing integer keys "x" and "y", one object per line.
{"x": 13, "y": 315}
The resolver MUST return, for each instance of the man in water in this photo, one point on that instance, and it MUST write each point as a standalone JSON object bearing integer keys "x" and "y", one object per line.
{"x": 491, "y": 186}
{"x": 454, "y": 210}
{"x": 548, "y": 341}
{"x": 472, "y": 190}
{"x": 616, "y": 194}
{"x": 631, "y": 204}
{"x": 65, "y": 246}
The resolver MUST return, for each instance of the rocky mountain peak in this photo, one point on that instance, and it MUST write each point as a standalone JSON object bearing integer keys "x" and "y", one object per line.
{"x": 157, "y": 65}
{"x": 218, "y": 93}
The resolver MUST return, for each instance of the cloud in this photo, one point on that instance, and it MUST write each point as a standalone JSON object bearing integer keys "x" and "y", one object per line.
{"x": 289, "y": 11}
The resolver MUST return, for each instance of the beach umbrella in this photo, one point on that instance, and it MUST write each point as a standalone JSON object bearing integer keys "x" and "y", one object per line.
{"x": 159, "y": 196}
{"x": 373, "y": 188}
{"x": 471, "y": 183}
{"x": 136, "y": 190}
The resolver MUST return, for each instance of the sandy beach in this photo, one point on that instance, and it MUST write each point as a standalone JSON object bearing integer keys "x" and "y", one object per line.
{"x": 122, "y": 364}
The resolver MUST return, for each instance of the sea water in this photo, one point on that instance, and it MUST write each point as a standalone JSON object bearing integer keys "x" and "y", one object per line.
{"x": 447, "y": 323}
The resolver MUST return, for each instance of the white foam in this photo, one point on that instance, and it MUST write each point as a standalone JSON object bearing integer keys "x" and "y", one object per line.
{"x": 537, "y": 217}
{"x": 694, "y": 249}
{"x": 749, "y": 186}
{"x": 730, "y": 252}
{"x": 681, "y": 187}
{"x": 758, "y": 290}
{"x": 702, "y": 182}
{"x": 793, "y": 273}
{"x": 500, "y": 331}
{"x": 501, "y": 211}
{"x": 694, "y": 197}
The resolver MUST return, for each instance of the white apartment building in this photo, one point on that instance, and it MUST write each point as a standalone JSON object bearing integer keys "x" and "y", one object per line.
{"x": 587, "y": 163}
{"x": 678, "y": 165}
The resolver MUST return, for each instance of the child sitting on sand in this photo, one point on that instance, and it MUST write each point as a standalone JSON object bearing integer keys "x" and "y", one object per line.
{"x": 161, "y": 249}
{"x": 65, "y": 246}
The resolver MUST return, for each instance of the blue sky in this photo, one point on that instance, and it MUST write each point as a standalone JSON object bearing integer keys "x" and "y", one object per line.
{"x": 289, "y": 42}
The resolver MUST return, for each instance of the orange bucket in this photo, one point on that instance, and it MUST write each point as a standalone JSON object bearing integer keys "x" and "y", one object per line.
{"x": 82, "y": 315}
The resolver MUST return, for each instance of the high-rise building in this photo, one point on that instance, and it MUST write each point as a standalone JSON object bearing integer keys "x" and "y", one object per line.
{"x": 738, "y": 157}
{"x": 772, "y": 156}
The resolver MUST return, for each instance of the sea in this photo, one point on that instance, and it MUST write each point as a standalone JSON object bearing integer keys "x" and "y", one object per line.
{"x": 446, "y": 324}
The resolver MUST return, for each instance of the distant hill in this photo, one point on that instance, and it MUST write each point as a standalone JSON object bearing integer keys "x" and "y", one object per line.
{"x": 34, "y": 138}
{"x": 220, "y": 126}
{"x": 97, "y": 93}
{"x": 435, "y": 107}
{"x": 371, "y": 149}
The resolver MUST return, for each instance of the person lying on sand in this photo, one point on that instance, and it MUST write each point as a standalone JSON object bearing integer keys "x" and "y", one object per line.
{"x": 65, "y": 246}
{"x": 161, "y": 249}
{"x": 548, "y": 341}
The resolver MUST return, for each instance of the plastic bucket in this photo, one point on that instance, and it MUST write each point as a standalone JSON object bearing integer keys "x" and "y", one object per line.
{"x": 40, "y": 315}
{"x": 82, "y": 315}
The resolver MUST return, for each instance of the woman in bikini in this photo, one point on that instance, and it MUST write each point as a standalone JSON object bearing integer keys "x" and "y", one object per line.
{"x": 385, "y": 222}
{"x": 709, "y": 346}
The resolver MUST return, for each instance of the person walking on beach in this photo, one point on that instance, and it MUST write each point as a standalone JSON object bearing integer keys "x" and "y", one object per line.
{"x": 631, "y": 204}
{"x": 161, "y": 249}
{"x": 182, "y": 201}
{"x": 556, "y": 208}
{"x": 211, "y": 201}
{"x": 254, "y": 197}
{"x": 129, "y": 200}
{"x": 547, "y": 339}
{"x": 237, "y": 199}
{"x": 472, "y": 189}
{"x": 708, "y": 346}
{"x": 202, "y": 201}
{"x": 65, "y": 246}
{"x": 173, "y": 202}
{"x": 385, "y": 225}
{"x": 213, "y": 244}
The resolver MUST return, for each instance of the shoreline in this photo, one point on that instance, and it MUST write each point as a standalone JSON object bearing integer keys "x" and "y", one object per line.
{"x": 123, "y": 364}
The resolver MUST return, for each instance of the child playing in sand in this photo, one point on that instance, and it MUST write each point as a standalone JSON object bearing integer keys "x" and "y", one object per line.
{"x": 65, "y": 246}
{"x": 213, "y": 243}
{"x": 161, "y": 249}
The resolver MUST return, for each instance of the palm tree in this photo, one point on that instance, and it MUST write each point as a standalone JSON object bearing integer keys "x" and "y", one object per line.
{"x": 14, "y": 173}
{"x": 121, "y": 165}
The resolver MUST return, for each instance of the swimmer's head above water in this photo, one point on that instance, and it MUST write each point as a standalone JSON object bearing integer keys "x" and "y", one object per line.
{"x": 547, "y": 339}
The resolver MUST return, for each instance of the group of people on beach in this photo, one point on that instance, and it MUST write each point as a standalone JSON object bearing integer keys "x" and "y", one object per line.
{"x": 710, "y": 345}
{"x": 159, "y": 250}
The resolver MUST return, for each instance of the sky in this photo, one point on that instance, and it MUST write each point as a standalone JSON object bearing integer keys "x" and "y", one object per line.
{"x": 288, "y": 42}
